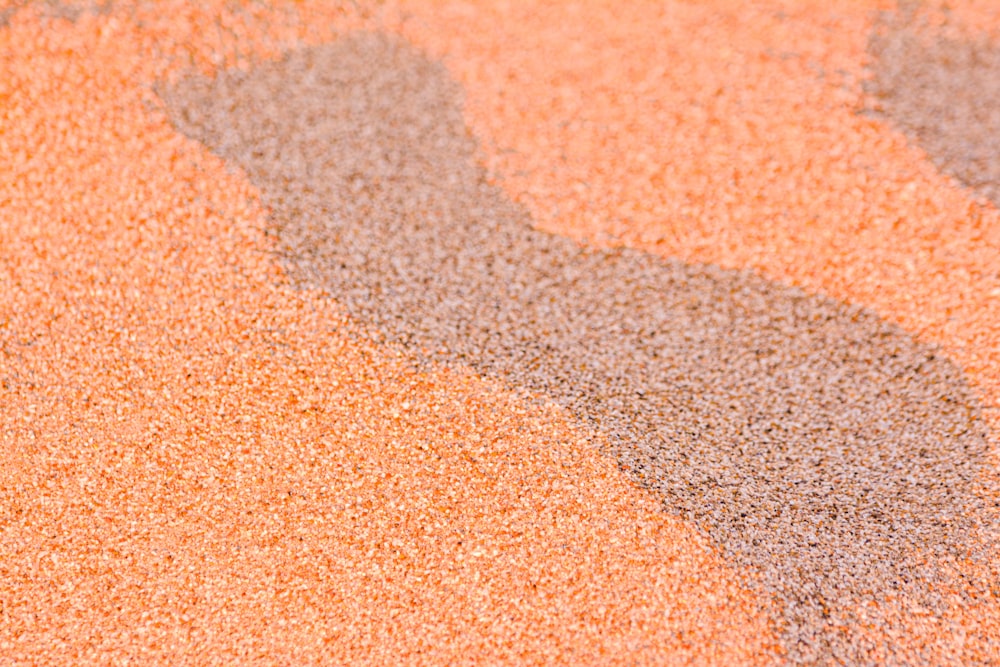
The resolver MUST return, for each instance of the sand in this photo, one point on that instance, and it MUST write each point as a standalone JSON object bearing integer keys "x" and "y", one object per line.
{"x": 812, "y": 442}
{"x": 332, "y": 394}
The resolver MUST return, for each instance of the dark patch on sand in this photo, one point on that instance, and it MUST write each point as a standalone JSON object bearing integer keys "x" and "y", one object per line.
{"x": 56, "y": 9}
{"x": 815, "y": 443}
{"x": 943, "y": 92}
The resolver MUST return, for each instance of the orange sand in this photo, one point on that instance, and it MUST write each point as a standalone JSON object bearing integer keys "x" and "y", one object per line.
{"x": 202, "y": 465}
{"x": 723, "y": 133}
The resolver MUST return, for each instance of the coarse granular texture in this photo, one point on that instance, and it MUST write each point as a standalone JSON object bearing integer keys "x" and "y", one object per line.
{"x": 943, "y": 89}
{"x": 200, "y": 465}
{"x": 730, "y": 134}
{"x": 815, "y": 443}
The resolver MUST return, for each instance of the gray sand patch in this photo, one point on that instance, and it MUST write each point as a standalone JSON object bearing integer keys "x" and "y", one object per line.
{"x": 56, "y": 9}
{"x": 944, "y": 93}
{"x": 817, "y": 445}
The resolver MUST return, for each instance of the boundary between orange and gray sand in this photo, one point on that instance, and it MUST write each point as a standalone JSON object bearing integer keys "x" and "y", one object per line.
{"x": 204, "y": 460}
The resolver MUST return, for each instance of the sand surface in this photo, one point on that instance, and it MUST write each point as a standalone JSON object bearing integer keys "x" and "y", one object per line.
{"x": 426, "y": 333}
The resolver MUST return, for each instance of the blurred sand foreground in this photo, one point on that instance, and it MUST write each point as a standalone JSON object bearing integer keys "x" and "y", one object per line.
{"x": 205, "y": 463}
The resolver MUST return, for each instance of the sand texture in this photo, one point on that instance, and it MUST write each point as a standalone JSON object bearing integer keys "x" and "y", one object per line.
{"x": 433, "y": 333}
